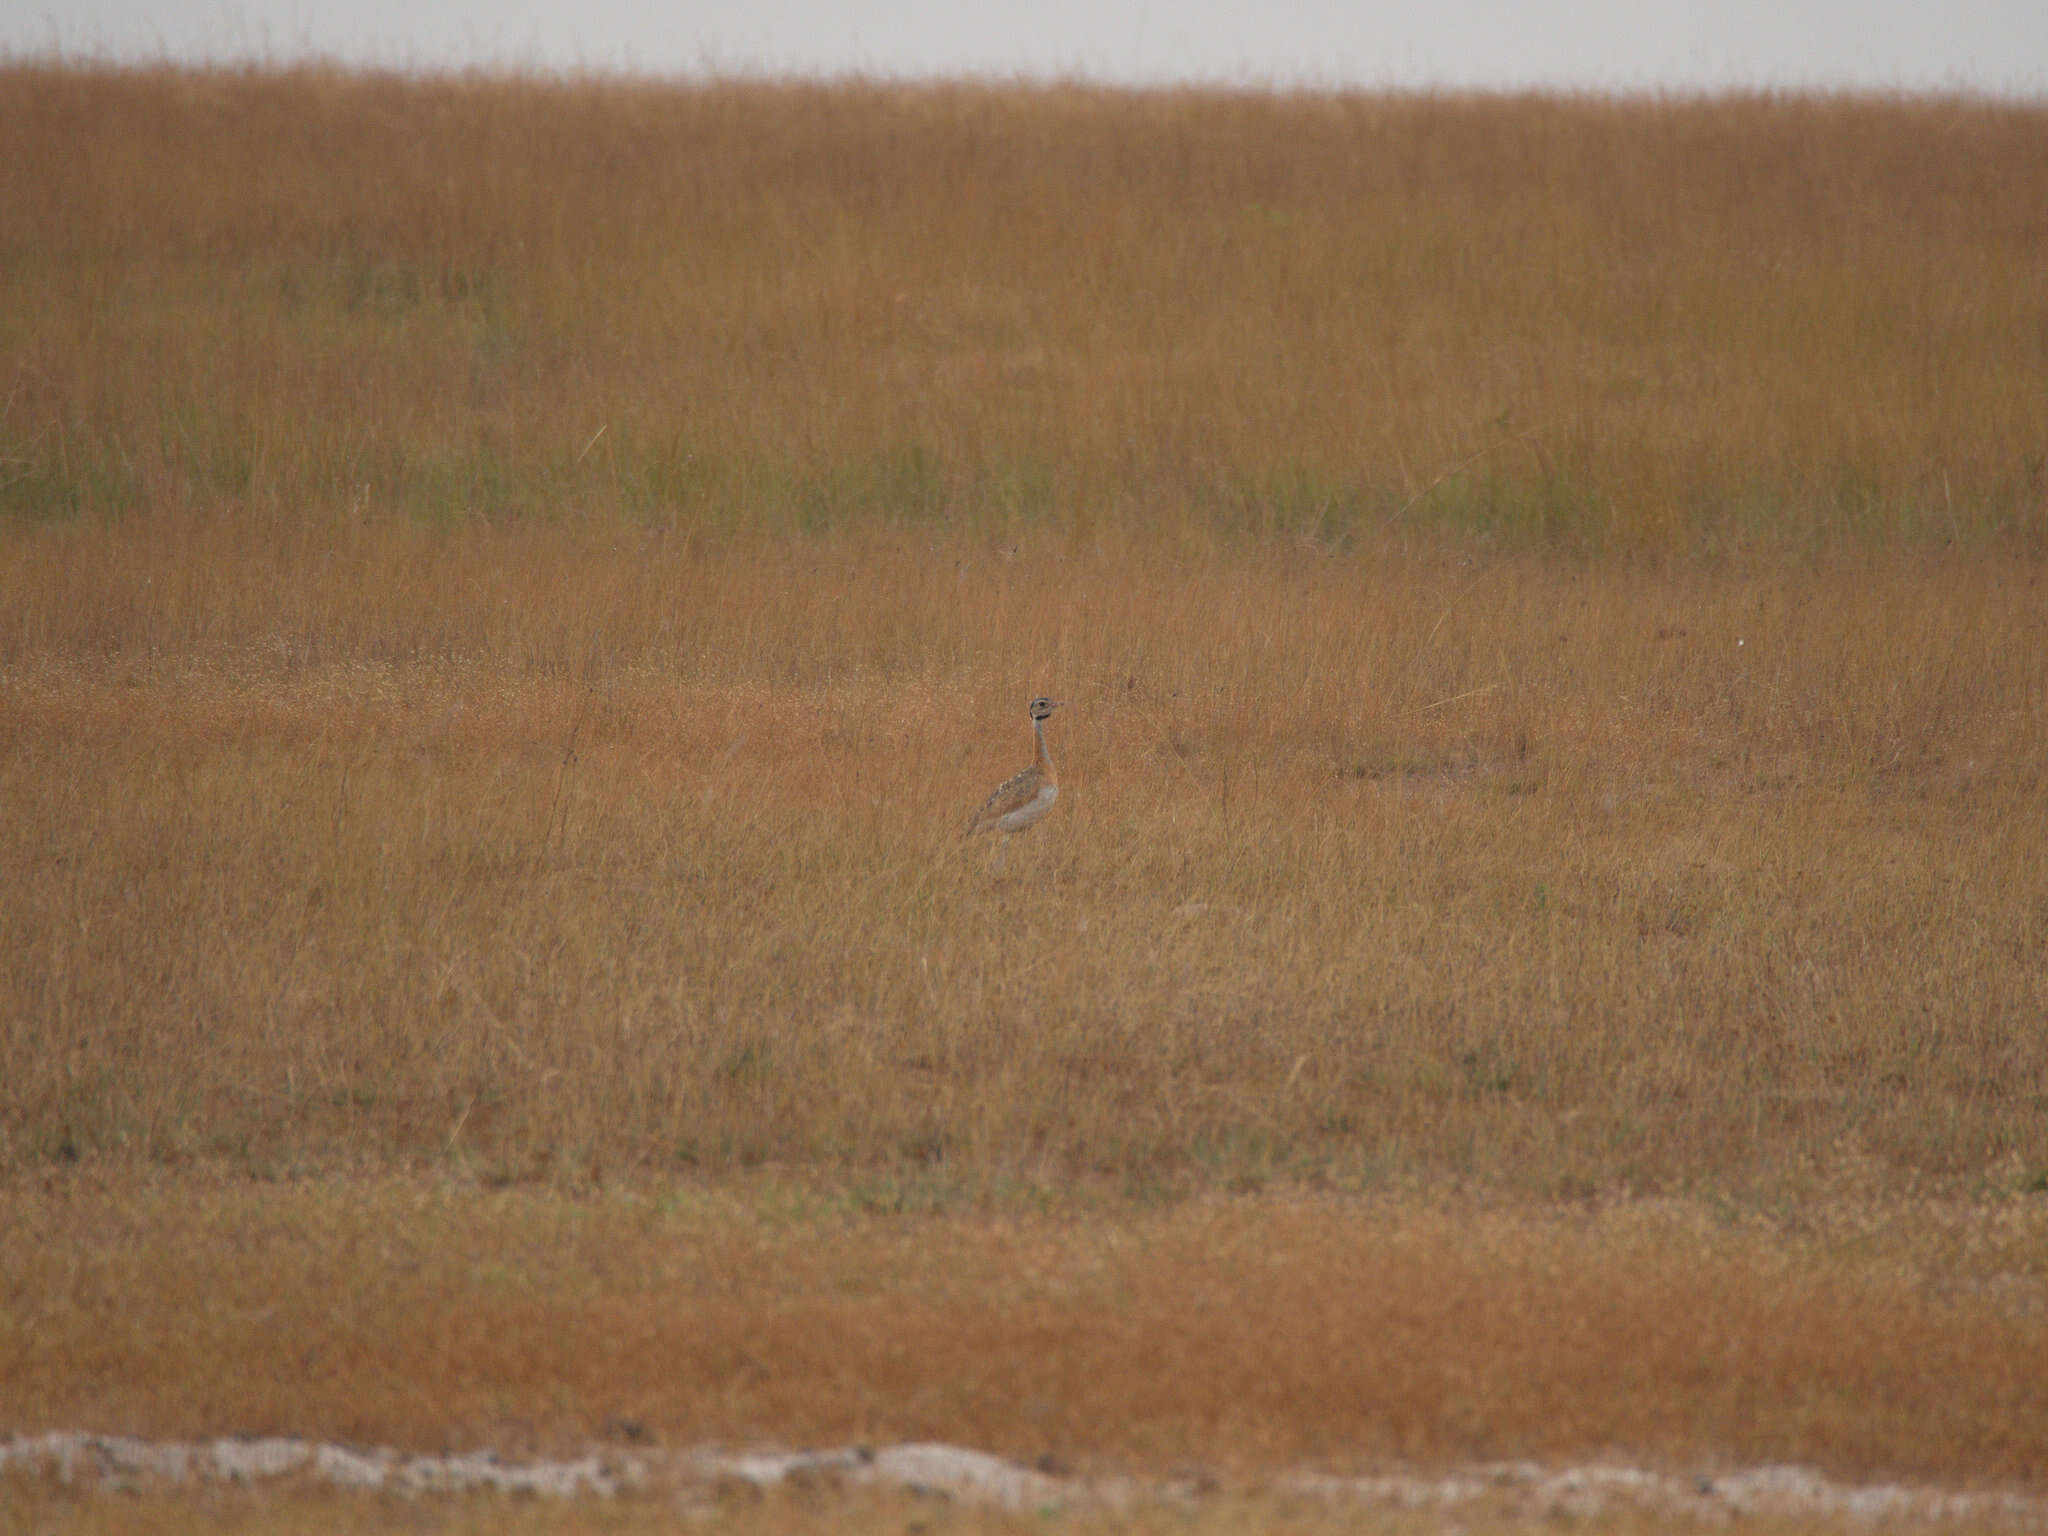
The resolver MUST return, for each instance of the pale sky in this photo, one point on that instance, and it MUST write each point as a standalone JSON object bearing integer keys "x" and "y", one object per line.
{"x": 1995, "y": 47}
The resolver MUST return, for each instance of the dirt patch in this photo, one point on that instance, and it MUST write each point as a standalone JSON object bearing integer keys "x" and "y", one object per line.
{"x": 1520, "y": 1488}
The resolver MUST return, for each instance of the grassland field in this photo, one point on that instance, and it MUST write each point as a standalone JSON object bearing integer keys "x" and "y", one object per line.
{"x": 509, "y": 590}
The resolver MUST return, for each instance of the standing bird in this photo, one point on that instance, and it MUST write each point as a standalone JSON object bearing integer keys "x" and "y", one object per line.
{"x": 1024, "y": 798}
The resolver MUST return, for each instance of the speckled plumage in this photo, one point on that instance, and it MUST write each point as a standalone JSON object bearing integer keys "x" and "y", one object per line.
{"x": 1023, "y": 799}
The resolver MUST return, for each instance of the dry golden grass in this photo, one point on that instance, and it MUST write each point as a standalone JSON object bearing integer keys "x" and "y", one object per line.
{"x": 1692, "y": 327}
{"x": 1364, "y": 869}
{"x": 547, "y": 857}
{"x": 508, "y": 592}
{"x": 1244, "y": 1337}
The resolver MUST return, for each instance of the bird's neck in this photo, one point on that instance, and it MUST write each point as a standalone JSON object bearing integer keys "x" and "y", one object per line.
{"x": 1044, "y": 757}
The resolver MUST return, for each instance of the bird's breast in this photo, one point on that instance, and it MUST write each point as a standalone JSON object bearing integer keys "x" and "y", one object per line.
{"x": 1030, "y": 810}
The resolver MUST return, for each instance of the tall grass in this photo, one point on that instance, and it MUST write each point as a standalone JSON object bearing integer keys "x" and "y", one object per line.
{"x": 1687, "y": 327}
{"x": 510, "y": 587}
{"x": 564, "y": 854}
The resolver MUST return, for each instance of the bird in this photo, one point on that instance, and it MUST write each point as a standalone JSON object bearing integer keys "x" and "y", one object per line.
{"x": 1023, "y": 799}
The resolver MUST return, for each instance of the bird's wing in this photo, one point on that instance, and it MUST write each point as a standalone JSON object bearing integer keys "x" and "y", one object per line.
{"x": 1014, "y": 793}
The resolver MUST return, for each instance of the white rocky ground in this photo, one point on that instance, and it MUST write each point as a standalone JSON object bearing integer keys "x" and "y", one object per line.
{"x": 77, "y": 1459}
